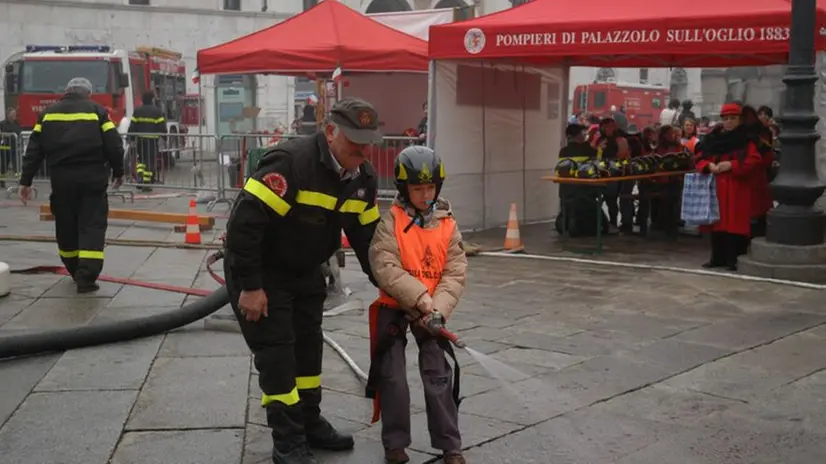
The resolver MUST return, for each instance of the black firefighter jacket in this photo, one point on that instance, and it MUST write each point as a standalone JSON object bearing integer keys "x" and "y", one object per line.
{"x": 74, "y": 132}
{"x": 291, "y": 212}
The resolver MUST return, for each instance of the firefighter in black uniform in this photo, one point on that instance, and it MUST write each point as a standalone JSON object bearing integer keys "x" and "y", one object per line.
{"x": 81, "y": 146}
{"x": 145, "y": 129}
{"x": 286, "y": 222}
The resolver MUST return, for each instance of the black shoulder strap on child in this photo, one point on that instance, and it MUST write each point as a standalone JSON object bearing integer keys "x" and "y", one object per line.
{"x": 448, "y": 347}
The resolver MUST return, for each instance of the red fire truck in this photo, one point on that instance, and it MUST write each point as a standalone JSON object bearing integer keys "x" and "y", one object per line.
{"x": 643, "y": 103}
{"x": 37, "y": 77}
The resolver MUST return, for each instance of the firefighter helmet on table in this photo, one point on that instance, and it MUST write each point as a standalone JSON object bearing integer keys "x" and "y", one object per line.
{"x": 685, "y": 161}
{"x": 669, "y": 162}
{"x": 566, "y": 167}
{"x": 587, "y": 170}
{"x": 418, "y": 165}
{"x": 637, "y": 167}
{"x": 609, "y": 168}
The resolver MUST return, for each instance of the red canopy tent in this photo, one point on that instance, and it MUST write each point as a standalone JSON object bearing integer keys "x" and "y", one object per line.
{"x": 328, "y": 36}
{"x": 629, "y": 33}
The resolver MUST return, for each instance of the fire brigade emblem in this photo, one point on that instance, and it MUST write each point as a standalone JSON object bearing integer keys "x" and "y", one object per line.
{"x": 474, "y": 40}
{"x": 427, "y": 260}
{"x": 366, "y": 118}
{"x": 360, "y": 193}
{"x": 276, "y": 182}
{"x": 425, "y": 176}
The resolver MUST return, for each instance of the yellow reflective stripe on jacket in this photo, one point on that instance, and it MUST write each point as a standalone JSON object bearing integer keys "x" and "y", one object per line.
{"x": 289, "y": 399}
{"x": 5, "y": 147}
{"x": 37, "y": 128}
{"x": 70, "y": 117}
{"x": 149, "y": 120}
{"x": 107, "y": 126}
{"x": 322, "y": 200}
{"x": 328, "y": 202}
{"x": 308, "y": 383}
{"x": 82, "y": 254}
{"x": 369, "y": 216}
{"x": 263, "y": 193}
{"x": 149, "y": 136}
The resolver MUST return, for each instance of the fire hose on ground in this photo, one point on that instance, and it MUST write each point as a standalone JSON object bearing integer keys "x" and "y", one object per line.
{"x": 29, "y": 344}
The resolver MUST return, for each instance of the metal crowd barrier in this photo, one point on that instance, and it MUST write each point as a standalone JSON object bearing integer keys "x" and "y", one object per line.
{"x": 209, "y": 165}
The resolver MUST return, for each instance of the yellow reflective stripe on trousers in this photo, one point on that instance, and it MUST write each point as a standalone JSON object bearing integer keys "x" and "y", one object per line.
{"x": 68, "y": 117}
{"x": 82, "y": 254}
{"x": 107, "y": 126}
{"x": 308, "y": 383}
{"x": 369, "y": 216}
{"x": 328, "y": 202}
{"x": 68, "y": 253}
{"x": 89, "y": 254}
{"x": 289, "y": 399}
{"x": 263, "y": 193}
{"x": 37, "y": 128}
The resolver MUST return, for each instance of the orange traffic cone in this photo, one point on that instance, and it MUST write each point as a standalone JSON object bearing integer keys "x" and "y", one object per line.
{"x": 513, "y": 242}
{"x": 344, "y": 242}
{"x": 193, "y": 231}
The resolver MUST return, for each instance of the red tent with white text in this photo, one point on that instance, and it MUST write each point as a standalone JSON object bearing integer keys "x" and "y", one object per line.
{"x": 631, "y": 33}
{"x": 376, "y": 62}
{"x": 328, "y": 36}
{"x": 499, "y": 83}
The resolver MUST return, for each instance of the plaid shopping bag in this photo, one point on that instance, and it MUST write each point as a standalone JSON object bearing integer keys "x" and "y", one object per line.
{"x": 700, "y": 206}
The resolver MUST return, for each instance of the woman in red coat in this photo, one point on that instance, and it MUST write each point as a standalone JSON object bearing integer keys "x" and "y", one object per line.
{"x": 731, "y": 155}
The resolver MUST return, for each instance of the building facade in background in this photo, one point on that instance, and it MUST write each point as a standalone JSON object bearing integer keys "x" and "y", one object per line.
{"x": 186, "y": 26}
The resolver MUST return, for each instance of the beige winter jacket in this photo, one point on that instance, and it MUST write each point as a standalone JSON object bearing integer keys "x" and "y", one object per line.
{"x": 385, "y": 261}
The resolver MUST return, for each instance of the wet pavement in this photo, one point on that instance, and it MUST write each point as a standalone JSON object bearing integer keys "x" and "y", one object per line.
{"x": 612, "y": 365}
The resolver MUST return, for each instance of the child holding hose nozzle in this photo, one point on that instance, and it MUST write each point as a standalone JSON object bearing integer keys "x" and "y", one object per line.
{"x": 420, "y": 266}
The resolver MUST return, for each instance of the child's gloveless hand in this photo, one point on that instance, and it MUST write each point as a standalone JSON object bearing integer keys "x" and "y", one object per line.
{"x": 425, "y": 304}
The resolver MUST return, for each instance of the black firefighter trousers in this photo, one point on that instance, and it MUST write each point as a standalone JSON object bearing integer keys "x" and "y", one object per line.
{"x": 81, "y": 209}
{"x": 287, "y": 348}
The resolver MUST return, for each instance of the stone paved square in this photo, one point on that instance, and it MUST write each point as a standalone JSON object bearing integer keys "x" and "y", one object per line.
{"x": 582, "y": 364}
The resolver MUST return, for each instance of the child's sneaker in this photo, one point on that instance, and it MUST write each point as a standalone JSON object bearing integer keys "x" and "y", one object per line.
{"x": 454, "y": 457}
{"x": 395, "y": 456}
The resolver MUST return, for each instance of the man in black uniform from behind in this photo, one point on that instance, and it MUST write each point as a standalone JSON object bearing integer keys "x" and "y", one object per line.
{"x": 80, "y": 146}
{"x": 146, "y": 128}
{"x": 286, "y": 222}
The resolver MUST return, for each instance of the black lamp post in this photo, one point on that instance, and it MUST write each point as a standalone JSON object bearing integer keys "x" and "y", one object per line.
{"x": 796, "y": 221}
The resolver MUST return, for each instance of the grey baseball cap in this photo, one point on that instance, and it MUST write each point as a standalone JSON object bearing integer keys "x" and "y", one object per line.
{"x": 79, "y": 83}
{"x": 357, "y": 119}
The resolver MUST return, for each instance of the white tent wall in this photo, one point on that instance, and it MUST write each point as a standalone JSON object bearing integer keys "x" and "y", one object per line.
{"x": 397, "y": 97}
{"x": 498, "y": 129}
{"x": 415, "y": 23}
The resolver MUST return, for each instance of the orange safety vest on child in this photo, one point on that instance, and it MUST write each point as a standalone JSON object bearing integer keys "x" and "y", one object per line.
{"x": 423, "y": 253}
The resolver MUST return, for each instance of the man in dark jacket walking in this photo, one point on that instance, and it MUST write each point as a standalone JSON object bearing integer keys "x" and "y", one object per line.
{"x": 145, "y": 129}
{"x": 81, "y": 147}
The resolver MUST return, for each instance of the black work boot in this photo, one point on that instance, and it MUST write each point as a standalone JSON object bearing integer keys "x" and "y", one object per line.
{"x": 85, "y": 285}
{"x": 300, "y": 454}
{"x": 289, "y": 441}
{"x": 320, "y": 433}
